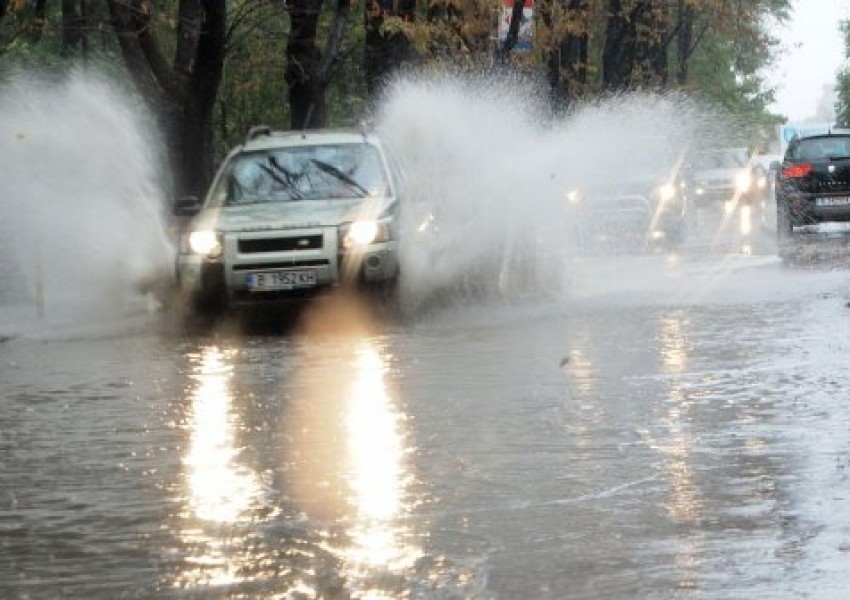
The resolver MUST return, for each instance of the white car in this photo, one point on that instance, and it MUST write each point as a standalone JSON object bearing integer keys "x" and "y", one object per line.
{"x": 289, "y": 214}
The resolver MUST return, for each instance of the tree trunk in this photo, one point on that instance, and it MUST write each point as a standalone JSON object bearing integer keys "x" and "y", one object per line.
{"x": 308, "y": 70}
{"x": 181, "y": 95}
{"x": 652, "y": 24}
{"x": 636, "y": 41}
{"x": 618, "y": 52}
{"x": 196, "y": 134}
{"x": 684, "y": 41}
{"x": 567, "y": 62}
{"x": 72, "y": 27}
{"x": 35, "y": 29}
{"x": 384, "y": 52}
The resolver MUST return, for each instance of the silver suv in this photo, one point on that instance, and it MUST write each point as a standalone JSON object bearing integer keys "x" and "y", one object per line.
{"x": 288, "y": 214}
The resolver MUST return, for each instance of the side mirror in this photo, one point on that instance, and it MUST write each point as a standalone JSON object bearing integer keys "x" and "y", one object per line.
{"x": 187, "y": 206}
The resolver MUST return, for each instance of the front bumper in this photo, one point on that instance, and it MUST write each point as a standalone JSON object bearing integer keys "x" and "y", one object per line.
{"x": 313, "y": 254}
{"x": 806, "y": 209}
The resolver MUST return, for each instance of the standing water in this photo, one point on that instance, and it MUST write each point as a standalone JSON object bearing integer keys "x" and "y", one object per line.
{"x": 81, "y": 214}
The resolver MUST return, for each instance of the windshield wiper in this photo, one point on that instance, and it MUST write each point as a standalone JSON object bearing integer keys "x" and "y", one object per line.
{"x": 288, "y": 180}
{"x": 842, "y": 157}
{"x": 341, "y": 175}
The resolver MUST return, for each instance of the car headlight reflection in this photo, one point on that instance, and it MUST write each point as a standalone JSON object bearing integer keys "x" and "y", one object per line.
{"x": 206, "y": 243}
{"x": 573, "y": 197}
{"x": 363, "y": 233}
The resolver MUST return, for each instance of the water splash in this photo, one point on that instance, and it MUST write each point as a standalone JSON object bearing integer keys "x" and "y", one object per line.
{"x": 486, "y": 169}
{"x": 81, "y": 214}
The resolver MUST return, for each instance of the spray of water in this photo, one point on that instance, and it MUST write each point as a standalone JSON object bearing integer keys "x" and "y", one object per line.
{"x": 487, "y": 168}
{"x": 81, "y": 214}
{"x": 486, "y": 171}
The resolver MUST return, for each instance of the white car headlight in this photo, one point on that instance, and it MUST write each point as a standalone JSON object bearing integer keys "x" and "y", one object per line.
{"x": 206, "y": 243}
{"x": 666, "y": 192}
{"x": 363, "y": 233}
{"x": 743, "y": 181}
{"x": 573, "y": 197}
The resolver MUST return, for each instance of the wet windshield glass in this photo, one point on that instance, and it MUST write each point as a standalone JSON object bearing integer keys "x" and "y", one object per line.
{"x": 298, "y": 173}
{"x": 821, "y": 148}
{"x": 718, "y": 160}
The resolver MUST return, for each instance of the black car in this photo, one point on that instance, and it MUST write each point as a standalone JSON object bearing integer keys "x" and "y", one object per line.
{"x": 813, "y": 184}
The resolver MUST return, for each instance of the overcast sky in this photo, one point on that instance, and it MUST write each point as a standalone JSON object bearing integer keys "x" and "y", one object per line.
{"x": 812, "y": 52}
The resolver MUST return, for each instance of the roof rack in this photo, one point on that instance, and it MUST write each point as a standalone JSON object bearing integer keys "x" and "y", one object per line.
{"x": 257, "y": 131}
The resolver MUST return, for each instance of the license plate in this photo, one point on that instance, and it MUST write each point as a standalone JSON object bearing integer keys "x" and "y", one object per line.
{"x": 834, "y": 201}
{"x": 282, "y": 280}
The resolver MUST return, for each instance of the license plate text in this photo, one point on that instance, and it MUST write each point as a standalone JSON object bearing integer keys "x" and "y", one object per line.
{"x": 282, "y": 280}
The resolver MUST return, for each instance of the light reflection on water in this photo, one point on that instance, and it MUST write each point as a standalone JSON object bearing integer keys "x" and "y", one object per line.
{"x": 353, "y": 435}
{"x": 684, "y": 503}
{"x": 376, "y": 462}
{"x": 220, "y": 492}
{"x": 676, "y": 445}
{"x": 583, "y": 372}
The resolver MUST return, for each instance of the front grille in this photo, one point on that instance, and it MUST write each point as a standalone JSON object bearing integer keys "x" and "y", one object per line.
{"x": 319, "y": 262}
{"x": 283, "y": 244}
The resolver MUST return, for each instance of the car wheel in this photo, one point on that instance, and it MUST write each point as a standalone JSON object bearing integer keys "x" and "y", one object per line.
{"x": 784, "y": 229}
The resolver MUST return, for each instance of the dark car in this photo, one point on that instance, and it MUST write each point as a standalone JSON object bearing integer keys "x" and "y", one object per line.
{"x": 630, "y": 209}
{"x": 813, "y": 184}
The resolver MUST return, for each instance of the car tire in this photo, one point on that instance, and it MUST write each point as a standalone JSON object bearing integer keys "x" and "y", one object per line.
{"x": 784, "y": 229}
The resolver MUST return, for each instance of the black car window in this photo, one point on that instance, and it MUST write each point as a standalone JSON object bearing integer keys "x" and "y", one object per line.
{"x": 820, "y": 148}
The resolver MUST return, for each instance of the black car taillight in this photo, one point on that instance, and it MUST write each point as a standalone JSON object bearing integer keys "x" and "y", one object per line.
{"x": 797, "y": 171}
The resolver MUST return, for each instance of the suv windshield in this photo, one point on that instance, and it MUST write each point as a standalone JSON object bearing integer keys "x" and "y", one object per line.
{"x": 319, "y": 172}
{"x": 819, "y": 148}
{"x": 721, "y": 159}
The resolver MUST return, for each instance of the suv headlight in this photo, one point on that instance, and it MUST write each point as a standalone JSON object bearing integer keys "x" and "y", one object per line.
{"x": 364, "y": 232}
{"x": 204, "y": 243}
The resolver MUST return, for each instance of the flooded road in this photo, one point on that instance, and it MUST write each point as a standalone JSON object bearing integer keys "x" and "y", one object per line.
{"x": 655, "y": 426}
{"x": 663, "y": 427}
